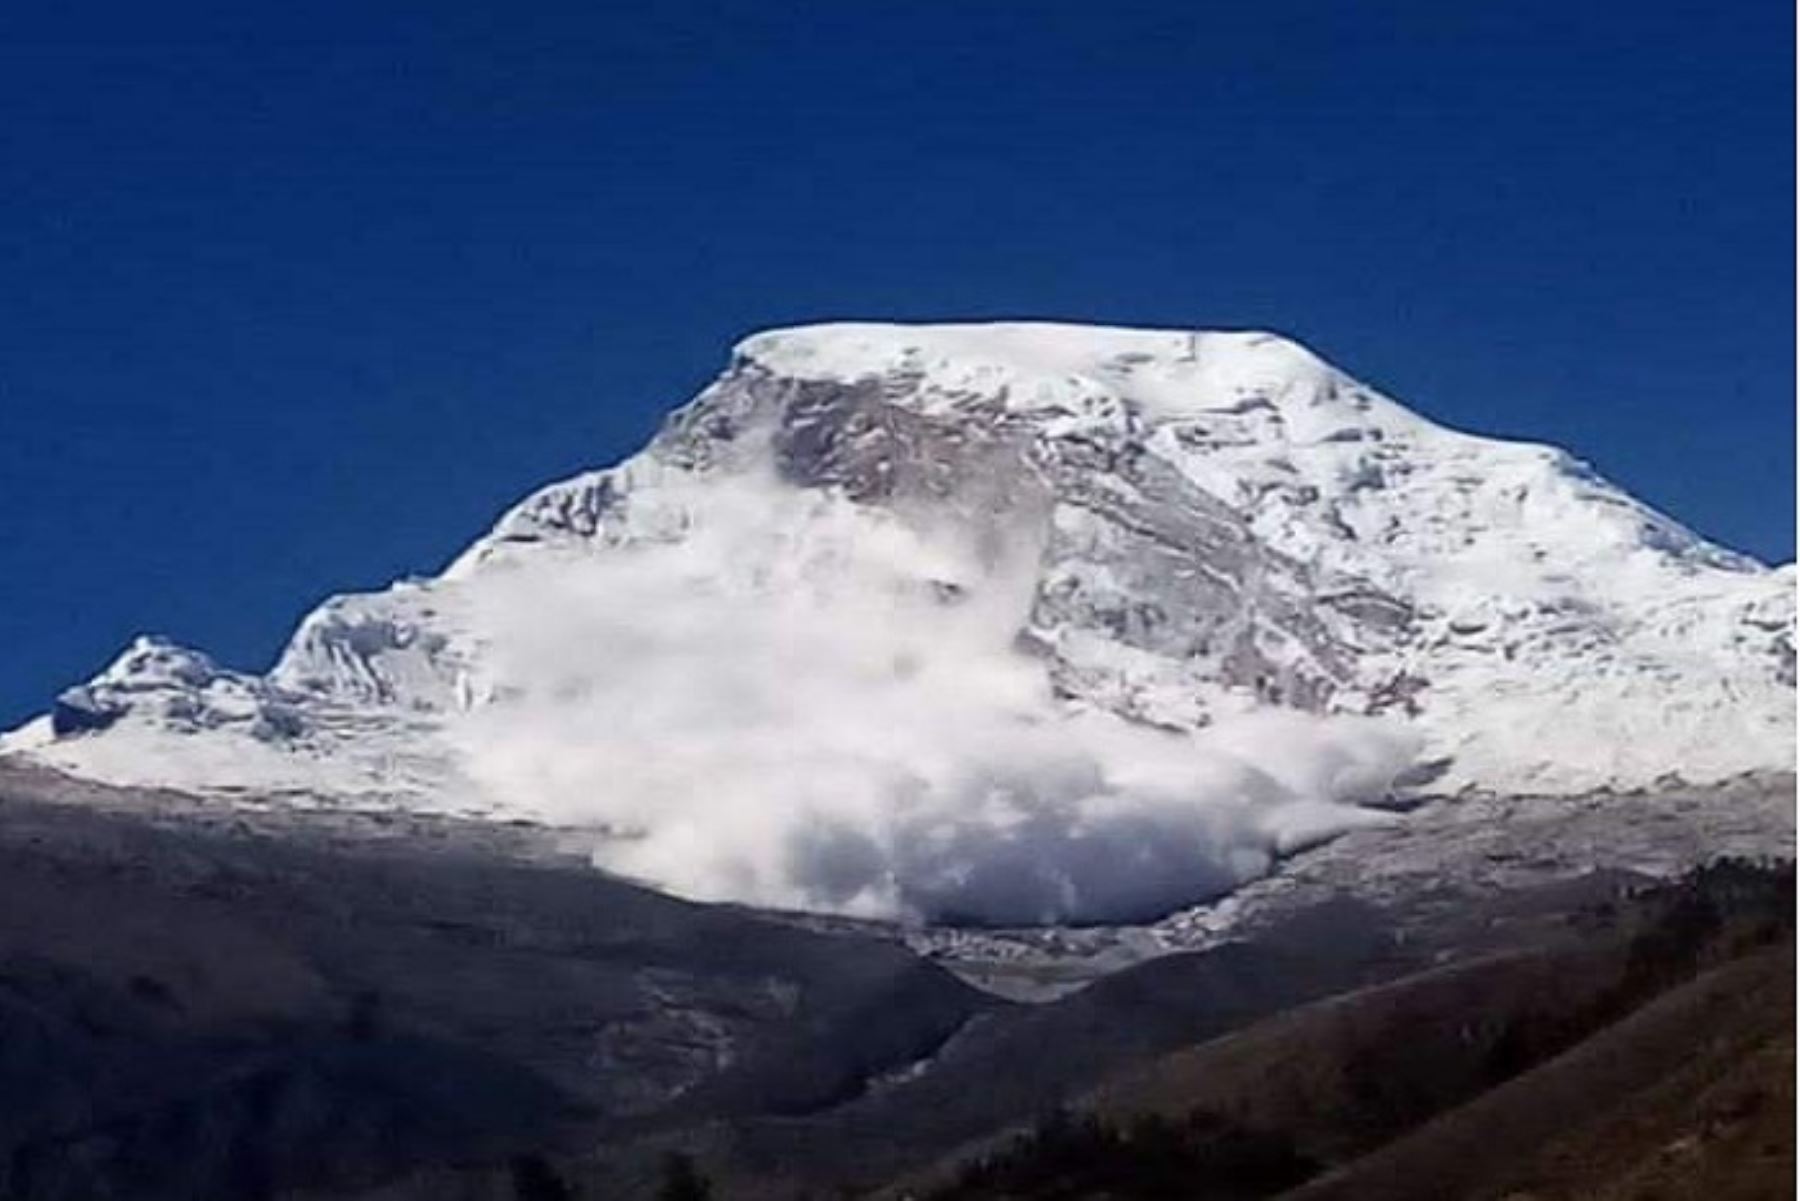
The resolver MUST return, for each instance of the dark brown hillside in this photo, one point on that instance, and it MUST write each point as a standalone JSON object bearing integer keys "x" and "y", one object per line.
{"x": 1721, "y": 1129}
{"x": 1350, "y": 1072}
{"x": 1691, "y": 1096}
{"x": 1640, "y": 1051}
{"x": 192, "y": 1010}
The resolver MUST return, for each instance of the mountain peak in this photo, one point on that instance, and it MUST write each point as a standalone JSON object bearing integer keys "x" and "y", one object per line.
{"x": 1041, "y": 345}
{"x": 1164, "y": 373}
{"x": 882, "y": 590}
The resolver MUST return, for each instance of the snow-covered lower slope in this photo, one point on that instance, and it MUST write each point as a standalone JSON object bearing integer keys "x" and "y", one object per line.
{"x": 968, "y": 615}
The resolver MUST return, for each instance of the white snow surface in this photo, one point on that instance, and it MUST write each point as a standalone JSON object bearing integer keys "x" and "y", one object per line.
{"x": 1022, "y": 622}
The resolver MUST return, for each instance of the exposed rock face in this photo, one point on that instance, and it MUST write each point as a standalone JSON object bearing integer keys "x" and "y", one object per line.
{"x": 1211, "y": 523}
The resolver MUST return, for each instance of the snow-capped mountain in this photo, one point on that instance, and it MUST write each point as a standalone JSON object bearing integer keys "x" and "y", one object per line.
{"x": 1092, "y": 531}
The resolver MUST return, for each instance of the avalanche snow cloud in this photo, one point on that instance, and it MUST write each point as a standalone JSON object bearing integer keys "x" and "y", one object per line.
{"x": 830, "y": 711}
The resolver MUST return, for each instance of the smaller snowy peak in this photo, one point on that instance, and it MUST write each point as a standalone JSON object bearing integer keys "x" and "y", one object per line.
{"x": 166, "y": 715}
{"x": 152, "y": 660}
{"x": 158, "y": 680}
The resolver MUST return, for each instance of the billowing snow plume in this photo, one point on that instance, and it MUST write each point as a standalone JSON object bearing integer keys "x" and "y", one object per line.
{"x": 829, "y": 710}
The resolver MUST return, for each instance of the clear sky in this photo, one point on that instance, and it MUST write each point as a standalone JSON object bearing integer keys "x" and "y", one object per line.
{"x": 295, "y": 298}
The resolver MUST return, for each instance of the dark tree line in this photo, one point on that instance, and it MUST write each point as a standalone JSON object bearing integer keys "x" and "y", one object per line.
{"x": 1067, "y": 1156}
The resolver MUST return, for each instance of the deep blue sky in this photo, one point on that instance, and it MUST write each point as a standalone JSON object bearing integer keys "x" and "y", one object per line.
{"x": 294, "y": 299}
